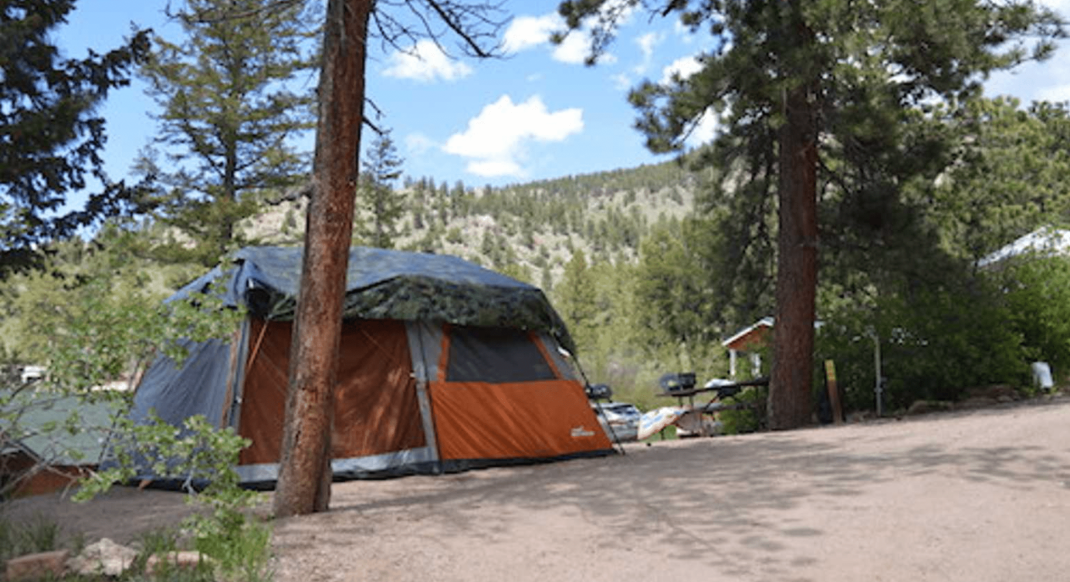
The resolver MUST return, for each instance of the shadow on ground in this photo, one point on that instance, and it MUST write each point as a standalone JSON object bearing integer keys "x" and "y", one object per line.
{"x": 729, "y": 504}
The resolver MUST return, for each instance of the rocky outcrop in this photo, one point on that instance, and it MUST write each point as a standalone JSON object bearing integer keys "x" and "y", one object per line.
{"x": 104, "y": 558}
{"x": 38, "y": 566}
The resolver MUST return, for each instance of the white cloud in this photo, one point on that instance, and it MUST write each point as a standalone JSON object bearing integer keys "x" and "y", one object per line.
{"x": 418, "y": 143}
{"x": 684, "y": 67}
{"x": 424, "y": 62}
{"x": 620, "y": 10}
{"x": 496, "y": 138}
{"x": 622, "y": 81}
{"x": 1056, "y": 94}
{"x": 525, "y": 32}
{"x": 494, "y": 168}
{"x": 705, "y": 130}
{"x": 1060, "y": 6}
{"x": 683, "y": 31}
{"x": 575, "y": 48}
{"x": 647, "y": 43}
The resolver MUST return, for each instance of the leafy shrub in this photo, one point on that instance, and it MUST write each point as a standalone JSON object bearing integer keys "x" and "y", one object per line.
{"x": 1037, "y": 294}
{"x": 750, "y": 419}
{"x": 934, "y": 345}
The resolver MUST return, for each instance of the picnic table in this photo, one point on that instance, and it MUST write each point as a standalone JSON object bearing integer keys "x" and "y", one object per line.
{"x": 723, "y": 390}
{"x": 716, "y": 404}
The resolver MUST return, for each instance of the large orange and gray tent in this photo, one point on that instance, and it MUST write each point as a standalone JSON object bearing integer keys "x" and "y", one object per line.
{"x": 444, "y": 366}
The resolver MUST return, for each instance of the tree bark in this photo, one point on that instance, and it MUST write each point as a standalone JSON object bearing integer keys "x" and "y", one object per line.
{"x": 796, "y": 288}
{"x": 304, "y": 472}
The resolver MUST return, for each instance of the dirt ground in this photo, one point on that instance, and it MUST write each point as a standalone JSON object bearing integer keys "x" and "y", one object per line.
{"x": 970, "y": 496}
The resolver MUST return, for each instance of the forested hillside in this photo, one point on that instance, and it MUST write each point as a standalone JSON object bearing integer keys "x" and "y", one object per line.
{"x": 527, "y": 230}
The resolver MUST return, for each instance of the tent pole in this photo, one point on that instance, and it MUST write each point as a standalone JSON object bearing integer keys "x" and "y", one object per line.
{"x": 587, "y": 382}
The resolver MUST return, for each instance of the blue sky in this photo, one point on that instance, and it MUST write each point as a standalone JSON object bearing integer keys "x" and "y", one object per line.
{"x": 540, "y": 113}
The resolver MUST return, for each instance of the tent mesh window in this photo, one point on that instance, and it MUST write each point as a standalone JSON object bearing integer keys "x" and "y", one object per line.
{"x": 495, "y": 355}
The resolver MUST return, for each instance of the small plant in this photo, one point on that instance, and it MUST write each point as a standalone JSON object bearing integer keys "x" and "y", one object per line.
{"x": 7, "y": 536}
{"x": 41, "y": 535}
{"x": 749, "y": 419}
{"x": 196, "y": 453}
{"x": 239, "y": 547}
{"x": 38, "y": 535}
{"x": 159, "y": 541}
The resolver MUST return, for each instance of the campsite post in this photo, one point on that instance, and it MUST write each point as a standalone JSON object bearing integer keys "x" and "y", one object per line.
{"x": 304, "y": 481}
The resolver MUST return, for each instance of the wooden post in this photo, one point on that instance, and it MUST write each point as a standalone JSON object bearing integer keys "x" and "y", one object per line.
{"x": 834, "y": 392}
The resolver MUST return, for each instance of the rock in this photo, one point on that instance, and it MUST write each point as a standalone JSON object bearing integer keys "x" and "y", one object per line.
{"x": 35, "y": 566}
{"x": 994, "y": 392}
{"x": 182, "y": 560}
{"x": 104, "y": 557}
{"x": 976, "y": 402}
{"x": 861, "y": 416}
{"x": 921, "y": 407}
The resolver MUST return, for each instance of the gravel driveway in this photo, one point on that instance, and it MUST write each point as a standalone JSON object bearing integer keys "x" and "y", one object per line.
{"x": 977, "y": 496}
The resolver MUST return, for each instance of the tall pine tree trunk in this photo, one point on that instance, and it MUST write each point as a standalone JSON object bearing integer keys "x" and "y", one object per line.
{"x": 796, "y": 286}
{"x": 304, "y": 483}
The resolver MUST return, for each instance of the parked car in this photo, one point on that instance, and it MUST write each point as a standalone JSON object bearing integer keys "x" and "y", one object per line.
{"x": 618, "y": 419}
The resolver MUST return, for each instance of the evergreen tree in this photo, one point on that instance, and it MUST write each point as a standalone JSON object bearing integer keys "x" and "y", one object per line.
{"x": 671, "y": 300}
{"x": 377, "y": 200}
{"x": 1008, "y": 176}
{"x": 229, "y": 115}
{"x": 576, "y": 300}
{"x": 800, "y": 82}
{"x": 50, "y": 137}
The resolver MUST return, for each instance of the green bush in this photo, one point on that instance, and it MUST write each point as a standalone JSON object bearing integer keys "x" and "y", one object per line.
{"x": 750, "y": 419}
{"x": 1037, "y": 294}
{"x": 934, "y": 345}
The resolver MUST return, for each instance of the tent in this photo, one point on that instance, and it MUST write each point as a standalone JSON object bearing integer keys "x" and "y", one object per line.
{"x": 444, "y": 366}
{"x": 51, "y": 440}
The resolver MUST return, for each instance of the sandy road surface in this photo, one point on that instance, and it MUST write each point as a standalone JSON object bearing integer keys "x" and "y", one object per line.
{"x": 979, "y": 496}
{"x": 975, "y": 496}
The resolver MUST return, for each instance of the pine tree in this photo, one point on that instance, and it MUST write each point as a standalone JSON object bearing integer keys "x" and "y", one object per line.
{"x": 377, "y": 201}
{"x": 232, "y": 102}
{"x": 800, "y": 81}
{"x": 50, "y": 137}
{"x": 576, "y": 300}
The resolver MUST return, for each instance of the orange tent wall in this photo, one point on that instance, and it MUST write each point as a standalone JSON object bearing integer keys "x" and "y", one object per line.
{"x": 375, "y": 408}
{"x": 475, "y": 420}
{"x": 536, "y": 419}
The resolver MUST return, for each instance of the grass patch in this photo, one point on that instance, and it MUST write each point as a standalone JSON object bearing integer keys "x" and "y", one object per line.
{"x": 239, "y": 550}
{"x": 37, "y": 535}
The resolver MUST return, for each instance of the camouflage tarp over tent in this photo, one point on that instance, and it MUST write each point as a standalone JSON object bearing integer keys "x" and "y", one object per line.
{"x": 445, "y": 365}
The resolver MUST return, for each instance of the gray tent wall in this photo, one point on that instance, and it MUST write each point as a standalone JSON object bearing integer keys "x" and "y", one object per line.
{"x": 199, "y": 386}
